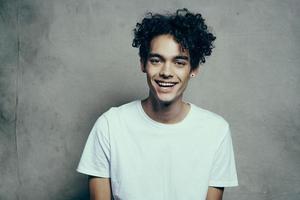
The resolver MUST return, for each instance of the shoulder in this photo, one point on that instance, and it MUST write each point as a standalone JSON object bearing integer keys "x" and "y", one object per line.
{"x": 209, "y": 117}
{"x": 112, "y": 116}
{"x": 124, "y": 108}
{"x": 116, "y": 112}
{"x": 214, "y": 123}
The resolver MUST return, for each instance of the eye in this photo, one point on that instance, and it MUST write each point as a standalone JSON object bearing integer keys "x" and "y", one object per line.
{"x": 154, "y": 61}
{"x": 181, "y": 63}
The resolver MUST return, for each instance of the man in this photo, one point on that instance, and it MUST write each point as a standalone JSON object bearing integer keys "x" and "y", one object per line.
{"x": 162, "y": 148}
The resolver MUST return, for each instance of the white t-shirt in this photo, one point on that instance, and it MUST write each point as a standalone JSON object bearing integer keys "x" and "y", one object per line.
{"x": 148, "y": 160}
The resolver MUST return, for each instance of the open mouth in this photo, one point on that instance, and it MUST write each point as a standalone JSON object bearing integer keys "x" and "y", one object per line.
{"x": 165, "y": 83}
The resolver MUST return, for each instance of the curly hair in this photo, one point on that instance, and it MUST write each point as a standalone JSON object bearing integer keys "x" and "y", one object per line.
{"x": 188, "y": 29}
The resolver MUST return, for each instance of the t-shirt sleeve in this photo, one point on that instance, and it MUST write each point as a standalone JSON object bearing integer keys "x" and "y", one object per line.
{"x": 95, "y": 159}
{"x": 223, "y": 172}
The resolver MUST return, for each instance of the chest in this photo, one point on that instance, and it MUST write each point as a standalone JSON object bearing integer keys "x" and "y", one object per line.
{"x": 147, "y": 152}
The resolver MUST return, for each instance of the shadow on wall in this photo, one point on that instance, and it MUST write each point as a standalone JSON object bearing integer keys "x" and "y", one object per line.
{"x": 83, "y": 193}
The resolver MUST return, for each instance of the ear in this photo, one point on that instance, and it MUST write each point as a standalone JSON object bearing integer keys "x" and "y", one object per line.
{"x": 194, "y": 72}
{"x": 142, "y": 65}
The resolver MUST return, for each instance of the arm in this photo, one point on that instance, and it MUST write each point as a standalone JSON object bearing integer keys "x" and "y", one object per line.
{"x": 215, "y": 193}
{"x": 100, "y": 188}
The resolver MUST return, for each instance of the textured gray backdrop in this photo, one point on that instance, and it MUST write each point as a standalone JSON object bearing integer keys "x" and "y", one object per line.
{"x": 64, "y": 62}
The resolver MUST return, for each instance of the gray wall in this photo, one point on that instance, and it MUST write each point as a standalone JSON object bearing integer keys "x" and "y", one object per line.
{"x": 64, "y": 62}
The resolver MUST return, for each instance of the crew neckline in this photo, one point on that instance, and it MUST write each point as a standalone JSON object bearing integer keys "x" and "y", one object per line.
{"x": 151, "y": 121}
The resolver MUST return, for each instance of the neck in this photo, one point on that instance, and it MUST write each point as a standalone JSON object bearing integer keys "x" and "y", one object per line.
{"x": 168, "y": 113}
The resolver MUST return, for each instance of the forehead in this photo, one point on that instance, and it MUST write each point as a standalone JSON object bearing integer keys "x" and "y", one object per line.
{"x": 166, "y": 46}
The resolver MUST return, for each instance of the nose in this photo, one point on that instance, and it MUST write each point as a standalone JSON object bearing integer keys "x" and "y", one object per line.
{"x": 166, "y": 71}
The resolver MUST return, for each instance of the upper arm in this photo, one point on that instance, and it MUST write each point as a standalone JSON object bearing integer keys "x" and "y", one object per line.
{"x": 215, "y": 193}
{"x": 223, "y": 172}
{"x": 100, "y": 188}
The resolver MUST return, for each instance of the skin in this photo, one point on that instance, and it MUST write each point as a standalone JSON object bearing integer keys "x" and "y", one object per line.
{"x": 166, "y": 63}
{"x": 100, "y": 188}
{"x": 215, "y": 193}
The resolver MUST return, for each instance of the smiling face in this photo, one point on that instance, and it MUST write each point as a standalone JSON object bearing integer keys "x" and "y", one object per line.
{"x": 168, "y": 69}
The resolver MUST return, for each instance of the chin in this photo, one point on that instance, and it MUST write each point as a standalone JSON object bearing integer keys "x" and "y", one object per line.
{"x": 165, "y": 100}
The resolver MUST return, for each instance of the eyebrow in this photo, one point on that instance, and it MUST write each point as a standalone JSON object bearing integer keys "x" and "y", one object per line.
{"x": 161, "y": 57}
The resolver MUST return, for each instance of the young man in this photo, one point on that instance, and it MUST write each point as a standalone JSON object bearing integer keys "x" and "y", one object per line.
{"x": 162, "y": 148}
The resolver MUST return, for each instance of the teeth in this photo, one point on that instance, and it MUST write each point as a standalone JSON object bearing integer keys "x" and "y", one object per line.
{"x": 165, "y": 84}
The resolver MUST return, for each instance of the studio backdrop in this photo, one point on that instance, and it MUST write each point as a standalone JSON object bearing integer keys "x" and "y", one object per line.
{"x": 65, "y": 62}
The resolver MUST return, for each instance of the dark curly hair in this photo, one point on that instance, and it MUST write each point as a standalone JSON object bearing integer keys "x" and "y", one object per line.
{"x": 188, "y": 29}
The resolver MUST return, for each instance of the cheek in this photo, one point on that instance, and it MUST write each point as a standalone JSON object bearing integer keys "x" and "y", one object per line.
{"x": 184, "y": 76}
{"x": 149, "y": 75}
{"x": 151, "y": 72}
